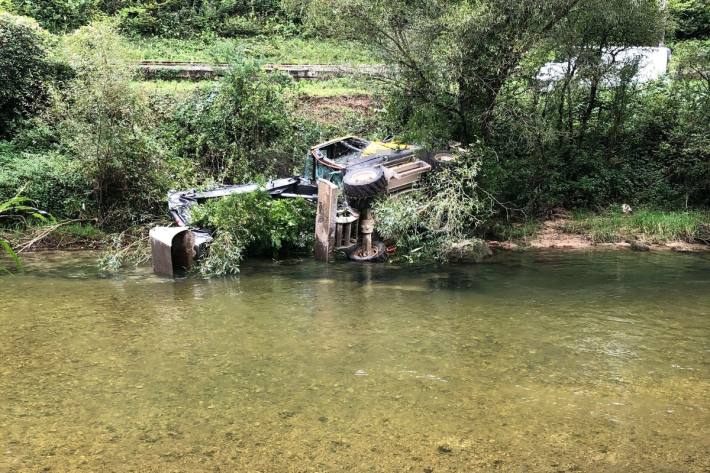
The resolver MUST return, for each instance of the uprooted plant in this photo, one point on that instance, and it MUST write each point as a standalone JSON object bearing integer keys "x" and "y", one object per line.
{"x": 253, "y": 224}
{"x": 437, "y": 221}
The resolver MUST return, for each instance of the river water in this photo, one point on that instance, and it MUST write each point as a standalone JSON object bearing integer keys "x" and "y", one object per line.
{"x": 528, "y": 362}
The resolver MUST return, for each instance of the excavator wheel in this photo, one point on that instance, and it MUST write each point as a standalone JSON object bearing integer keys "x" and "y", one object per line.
{"x": 366, "y": 182}
{"x": 439, "y": 159}
{"x": 359, "y": 203}
{"x": 378, "y": 254}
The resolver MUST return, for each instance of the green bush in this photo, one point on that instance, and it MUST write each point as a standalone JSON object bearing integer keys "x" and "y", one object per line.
{"x": 138, "y": 20}
{"x": 241, "y": 128}
{"x": 110, "y": 128}
{"x": 645, "y": 144}
{"x": 54, "y": 182}
{"x": 256, "y": 224}
{"x": 58, "y": 16}
{"x": 183, "y": 18}
{"x": 26, "y": 70}
{"x": 438, "y": 221}
{"x": 170, "y": 18}
{"x": 690, "y": 19}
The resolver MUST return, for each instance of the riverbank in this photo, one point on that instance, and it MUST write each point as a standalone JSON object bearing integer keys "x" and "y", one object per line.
{"x": 643, "y": 230}
{"x": 686, "y": 232}
{"x": 556, "y": 234}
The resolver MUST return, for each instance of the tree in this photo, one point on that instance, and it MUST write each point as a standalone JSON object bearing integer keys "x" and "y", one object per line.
{"x": 453, "y": 58}
{"x": 107, "y": 124}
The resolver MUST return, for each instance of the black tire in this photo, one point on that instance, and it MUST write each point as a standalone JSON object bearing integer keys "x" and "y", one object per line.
{"x": 359, "y": 203}
{"x": 439, "y": 159}
{"x": 378, "y": 256}
{"x": 365, "y": 182}
{"x": 349, "y": 249}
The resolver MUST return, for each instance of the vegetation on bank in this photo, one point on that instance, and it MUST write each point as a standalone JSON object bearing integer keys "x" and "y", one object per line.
{"x": 17, "y": 208}
{"x": 270, "y": 49}
{"x": 87, "y": 142}
{"x": 650, "y": 226}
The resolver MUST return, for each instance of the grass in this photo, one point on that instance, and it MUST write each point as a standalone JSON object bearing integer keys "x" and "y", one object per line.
{"x": 341, "y": 87}
{"x": 170, "y": 87}
{"x": 653, "y": 226}
{"x": 269, "y": 49}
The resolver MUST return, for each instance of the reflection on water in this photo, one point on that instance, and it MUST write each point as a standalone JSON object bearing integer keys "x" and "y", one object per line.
{"x": 533, "y": 362}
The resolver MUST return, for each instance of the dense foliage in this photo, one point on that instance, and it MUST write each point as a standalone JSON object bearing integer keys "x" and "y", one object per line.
{"x": 435, "y": 222}
{"x": 254, "y": 223}
{"x": 26, "y": 70}
{"x": 56, "y": 182}
{"x": 689, "y": 19}
{"x": 241, "y": 128}
{"x": 106, "y": 124}
{"x": 168, "y": 18}
{"x": 595, "y": 135}
{"x": 106, "y": 150}
{"x": 639, "y": 144}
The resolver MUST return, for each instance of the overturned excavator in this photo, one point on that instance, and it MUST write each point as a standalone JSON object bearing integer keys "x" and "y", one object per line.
{"x": 362, "y": 169}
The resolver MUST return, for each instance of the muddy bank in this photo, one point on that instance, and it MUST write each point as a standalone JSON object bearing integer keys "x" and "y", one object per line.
{"x": 553, "y": 234}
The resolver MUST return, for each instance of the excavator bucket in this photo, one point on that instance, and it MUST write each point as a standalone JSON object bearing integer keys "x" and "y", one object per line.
{"x": 173, "y": 249}
{"x": 176, "y": 249}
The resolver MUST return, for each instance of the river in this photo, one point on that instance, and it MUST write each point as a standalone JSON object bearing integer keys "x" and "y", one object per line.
{"x": 544, "y": 361}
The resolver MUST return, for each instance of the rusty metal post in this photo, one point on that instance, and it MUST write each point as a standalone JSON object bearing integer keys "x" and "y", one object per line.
{"x": 367, "y": 225}
{"x": 325, "y": 220}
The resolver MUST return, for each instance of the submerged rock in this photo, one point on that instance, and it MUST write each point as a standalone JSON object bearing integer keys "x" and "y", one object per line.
{"x": 638, "y": 246}
{"x": 444, "y": 448}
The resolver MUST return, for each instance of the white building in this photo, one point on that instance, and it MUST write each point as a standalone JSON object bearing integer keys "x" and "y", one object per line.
{"x": 652, "y": 64}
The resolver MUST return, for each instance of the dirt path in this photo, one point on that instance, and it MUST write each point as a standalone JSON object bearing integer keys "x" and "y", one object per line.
{"x": 553, "y": 235}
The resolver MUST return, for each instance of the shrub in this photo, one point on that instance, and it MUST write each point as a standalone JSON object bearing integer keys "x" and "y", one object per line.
{"x": 182, "y": 18}
{"x": 58, "y": 16}
{"x": 645, "y": 144}
{"x": 26, "y": 70}
{"x": 54, "y": 182}
{"x": 439, "y": 220}
{"x": 108, "y": 125}
{"x": 690, "y": 19}
{"x": 240, "y": 128}
{"x": 256, "y": 224}
{"x": 138, "y": 20}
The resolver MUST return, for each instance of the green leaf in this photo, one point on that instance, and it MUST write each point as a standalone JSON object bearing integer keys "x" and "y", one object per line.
{"x": 8, "y": 249}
